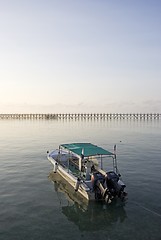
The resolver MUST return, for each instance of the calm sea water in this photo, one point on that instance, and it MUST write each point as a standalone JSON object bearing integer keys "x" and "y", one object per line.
{"x": 32, "y": 206}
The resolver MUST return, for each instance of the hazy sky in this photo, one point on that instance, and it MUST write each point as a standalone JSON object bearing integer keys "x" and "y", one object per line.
{"x": 80, "y": 56}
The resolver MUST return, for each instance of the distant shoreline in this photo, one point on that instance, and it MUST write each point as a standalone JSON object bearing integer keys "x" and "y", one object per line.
{"x": 103, "y": 116}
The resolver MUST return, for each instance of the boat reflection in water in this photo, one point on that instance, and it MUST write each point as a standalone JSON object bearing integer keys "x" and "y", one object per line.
{"x": 88, "y": 215}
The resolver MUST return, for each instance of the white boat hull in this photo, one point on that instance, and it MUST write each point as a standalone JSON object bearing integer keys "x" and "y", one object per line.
{"x": 85, "y": 191}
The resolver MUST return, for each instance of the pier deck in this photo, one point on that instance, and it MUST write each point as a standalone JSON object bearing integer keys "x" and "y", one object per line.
{"x": 99, "y": 116}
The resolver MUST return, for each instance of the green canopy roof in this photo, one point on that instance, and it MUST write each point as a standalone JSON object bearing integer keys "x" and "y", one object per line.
{"x": 87, "y": 149}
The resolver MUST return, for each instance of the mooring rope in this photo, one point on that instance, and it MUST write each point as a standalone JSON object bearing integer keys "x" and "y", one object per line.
{"x": 145, "y": 208}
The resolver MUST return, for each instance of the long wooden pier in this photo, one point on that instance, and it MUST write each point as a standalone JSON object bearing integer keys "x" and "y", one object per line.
{"x": 85, "y": 116}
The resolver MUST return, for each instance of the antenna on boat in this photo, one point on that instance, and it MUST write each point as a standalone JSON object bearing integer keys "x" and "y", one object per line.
{"x": 115, "y": 161}
{"x": 115, "y": 150}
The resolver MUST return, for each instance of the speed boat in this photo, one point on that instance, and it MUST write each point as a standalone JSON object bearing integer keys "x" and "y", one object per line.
{"x": 85, "y": 167}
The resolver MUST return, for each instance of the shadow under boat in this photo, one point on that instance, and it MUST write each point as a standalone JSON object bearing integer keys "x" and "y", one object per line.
{"x": 88, "y": 215}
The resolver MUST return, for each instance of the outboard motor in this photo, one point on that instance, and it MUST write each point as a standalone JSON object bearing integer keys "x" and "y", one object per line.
{"x": 115, "y": 185}
{"x": 97, "y": 183}
{"x": 101, "y": 191}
